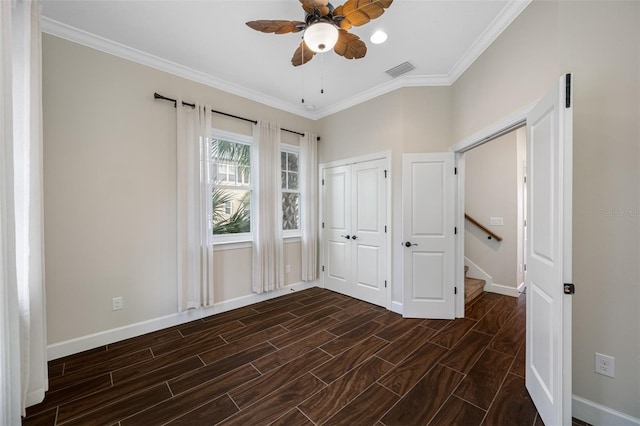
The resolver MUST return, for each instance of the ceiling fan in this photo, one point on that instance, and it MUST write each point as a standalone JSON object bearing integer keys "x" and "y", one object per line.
{"x": 325, "y": 27}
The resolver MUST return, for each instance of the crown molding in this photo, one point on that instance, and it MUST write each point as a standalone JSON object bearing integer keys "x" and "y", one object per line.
{"x": 499, "y": 24}
{"x": 102, "y": 44}
{"x": 384, "y": 88}
{"x": 508, "y": 14}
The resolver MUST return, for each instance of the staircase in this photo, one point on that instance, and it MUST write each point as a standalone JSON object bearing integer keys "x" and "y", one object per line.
{"x": 473, "y": 287}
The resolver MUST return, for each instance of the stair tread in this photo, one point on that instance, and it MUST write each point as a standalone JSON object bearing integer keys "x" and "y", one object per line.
{"x": 473, "y": 287}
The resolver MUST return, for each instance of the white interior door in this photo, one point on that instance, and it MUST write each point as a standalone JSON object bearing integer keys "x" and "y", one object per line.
{"x": 368, "y": 239}
{"x": 549, "y": 168}
{"x": 354, "y": 230}
{"x": 428, "y": 198}
{"x": 336, "y": 220}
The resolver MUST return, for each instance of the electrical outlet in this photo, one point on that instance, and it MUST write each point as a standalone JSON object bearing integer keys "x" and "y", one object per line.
{"x": 605, "y": 365}
{"x": 287, "y": 269}
{"x": 116, "y": 304}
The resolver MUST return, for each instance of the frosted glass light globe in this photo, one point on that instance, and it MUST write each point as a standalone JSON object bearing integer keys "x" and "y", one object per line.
{"x": 321, "y": 36}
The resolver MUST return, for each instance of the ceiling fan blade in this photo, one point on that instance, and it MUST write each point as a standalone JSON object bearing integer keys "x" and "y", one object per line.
{"x": 321, "y": 5}
{"x": 302, "y": 55}
{"x": 358, "y": 12}
{"x": 350, "y": 46}
{"x": 276, "y": 26}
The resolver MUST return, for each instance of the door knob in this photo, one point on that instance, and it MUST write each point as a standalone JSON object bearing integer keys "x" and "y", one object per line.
{"x": 353, "y": 237}
{"x": 345, "y": 236}
{"x": 409, "y": 244}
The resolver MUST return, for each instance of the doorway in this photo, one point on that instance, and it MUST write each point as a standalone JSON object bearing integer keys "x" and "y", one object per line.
{"x": 495, "y": 180}
{"x": 549, "y": 244}
{"x": 514, "y": 123}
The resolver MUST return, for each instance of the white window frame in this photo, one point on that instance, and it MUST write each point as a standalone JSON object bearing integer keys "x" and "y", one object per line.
{"x": 220, "y": 239}
{"x": 293, "y": 233}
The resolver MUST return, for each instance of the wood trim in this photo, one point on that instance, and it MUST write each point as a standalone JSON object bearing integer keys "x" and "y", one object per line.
{"x": 490, "y": 233}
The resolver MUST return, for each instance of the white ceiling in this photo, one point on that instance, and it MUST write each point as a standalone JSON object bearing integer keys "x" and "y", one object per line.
{"x": 208, "y": 41}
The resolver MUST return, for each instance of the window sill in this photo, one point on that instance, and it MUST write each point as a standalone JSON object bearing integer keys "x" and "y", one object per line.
{"x": 232, "y": 245}
{"x": 239, "y": 245}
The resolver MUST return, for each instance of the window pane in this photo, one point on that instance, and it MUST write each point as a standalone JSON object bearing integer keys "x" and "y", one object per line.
{"x": 242, "y": 154}
{"x": 290, "y": 211}
{"x": 291, "y": 198}
{"x": 244, "y": 177}
{"x": 231, "y": 211}
{"x": 231, "y": 161}
{"x": 292, "y": 163}
{"x": 231, "y": 190}
{"x": 293, "y": 181}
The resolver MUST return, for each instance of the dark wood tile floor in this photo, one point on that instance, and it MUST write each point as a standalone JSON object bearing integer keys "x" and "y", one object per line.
{"x": 310, "y": 357}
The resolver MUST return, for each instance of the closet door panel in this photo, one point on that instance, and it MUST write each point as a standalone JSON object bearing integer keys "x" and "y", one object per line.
{"x": 354, "y": 233}
{"x": 369, "y": 248}
{"x": 337, "y": 231}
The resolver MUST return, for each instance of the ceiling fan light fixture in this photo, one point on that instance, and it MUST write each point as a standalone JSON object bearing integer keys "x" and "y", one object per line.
{"x": 321, "y": 36}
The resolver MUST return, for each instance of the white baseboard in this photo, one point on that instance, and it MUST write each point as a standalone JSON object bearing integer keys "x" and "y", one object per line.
{"x": 396, "y": 307}
{"x": 73, "y": 346}
{"x": 476, "y": 272}
{"x": 521, "y": 287}
{"x": 599, "y": 415}
{"x": 502, "y": 289}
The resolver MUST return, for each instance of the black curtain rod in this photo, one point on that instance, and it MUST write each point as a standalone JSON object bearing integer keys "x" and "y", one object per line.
{"x": 164, "y": 98}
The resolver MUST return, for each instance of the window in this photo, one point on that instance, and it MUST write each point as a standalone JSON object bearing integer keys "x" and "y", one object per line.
{"x": 228, "y": 208}
{"x": 226, "y": 173}
{"x": 231, "y": 191}
{"x": 289, "y": 173}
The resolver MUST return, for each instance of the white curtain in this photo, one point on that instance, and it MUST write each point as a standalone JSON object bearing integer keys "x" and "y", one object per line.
{"x": 266, "y": 221}
{"x": 195, "y": 248}
{"x": 9, "y": 331}
{"x": 309, "y": 205}
{"x": 23, "y": 366}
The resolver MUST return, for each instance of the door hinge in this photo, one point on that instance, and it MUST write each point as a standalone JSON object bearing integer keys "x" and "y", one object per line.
{"x": 455, "y": 290}
{"x": 455, "y": 170}
{"x": 525, "y": 179}
{"x": 322, "y": 225}
{"x": 385, "y": 283}
{"x": 569, "y": 288}
{"x": 322, "y": 268}
{"x": 525, "y": 223}
{"x": 385, "y": 174}
{"x": 385, "y": 229}
{"x": 322, "y": 182}
{"x": 455, "y": 230}
{"x": 567, "y": 91}
{"x": 525, "y": 267}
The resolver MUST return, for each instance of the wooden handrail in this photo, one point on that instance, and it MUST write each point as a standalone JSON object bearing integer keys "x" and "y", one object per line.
{"x": 485, "y": 229}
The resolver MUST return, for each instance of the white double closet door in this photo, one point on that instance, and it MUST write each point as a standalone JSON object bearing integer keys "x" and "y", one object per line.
{"x": 354, "y": 233}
